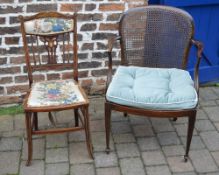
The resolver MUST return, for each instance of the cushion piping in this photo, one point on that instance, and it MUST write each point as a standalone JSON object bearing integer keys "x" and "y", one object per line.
{"x": 195, "y": 100}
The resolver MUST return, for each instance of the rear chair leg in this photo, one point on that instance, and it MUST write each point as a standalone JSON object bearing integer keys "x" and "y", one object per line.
{"x": 107, "y": 126}
{"x": 87, "y": 132}
{"x": 35, "y": 119}
{"x": 76, "y": 117}
{"x": 191, "y": 125}
{"x": 174, "y": 119}
{"x": 29, "y": 137}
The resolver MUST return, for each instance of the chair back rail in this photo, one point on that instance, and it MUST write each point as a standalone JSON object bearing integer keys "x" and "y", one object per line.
{"x": 48, "y": 50}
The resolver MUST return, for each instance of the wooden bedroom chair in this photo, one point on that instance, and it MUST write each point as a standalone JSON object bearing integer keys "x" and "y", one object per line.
{"x": 50, "y": 44}
{"x": 152, "y": 80}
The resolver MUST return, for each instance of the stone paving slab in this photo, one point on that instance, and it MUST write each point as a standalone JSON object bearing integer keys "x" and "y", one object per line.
{"x": 158, "y": 170}
{"x": 139, "y": 145}
{"x": 82, "y": 169}
{"x": 38, "y": 149}
{"x": 9, "y": 162}
{"x": 131, "y": 166}
{"x": 108, "y": 171}
{"x": 57, "y": 169}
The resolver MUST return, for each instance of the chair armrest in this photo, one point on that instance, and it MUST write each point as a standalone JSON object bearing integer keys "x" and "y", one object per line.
{"x": 199, "y": 47}
{"x": 111, "y": 42}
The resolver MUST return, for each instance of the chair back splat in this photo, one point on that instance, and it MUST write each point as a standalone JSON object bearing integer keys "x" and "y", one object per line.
{"x": 50, "y": 42}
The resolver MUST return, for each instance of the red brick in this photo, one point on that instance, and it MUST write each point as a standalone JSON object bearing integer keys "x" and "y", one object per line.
{"x": 53, "y": 76}
{"x": 41, "y": 7}
{"x": 86, "y": 83}
{"x": 10, "y": 100}
{"x": 11, "y": 40}
{"x": 90, "y": 17}
{"x": 14, "y": 20}
{"x": 3, "y": 61}
{"x": 69, "y": 75}
{"x": 1, "y": 90}
{"x": 10, "y": 9}
{"x": 111, "y": 7}
{"x": 13, "y": 50}
{"x": 108, "y": 26}
{"x": 135, "y": 3}
{"x": 71, "y": 7}
{"x": 17, "y": 88}
{"x": 98, "y": 73}
{"x": 17, "y": 60}
{"x": 101, "y": 81}
{"x": 10, "y": 70}
{"x": 25, "y": 1}
{"x": 7, "y": 1}
{"x": 5, "y": 80}
{"x": 97, "y": 89}
{"x": 21, "y": 79}
{"x": 9, "y": 30}
{"x": 82, "y": 74}
{"x": 90, "y": 7}
{"x": 113, "y": 17}
{"x": 37, "y": 78}
{"x": 88, "y": 27}
{"x": 2, "y": 20}
{"x": 87, "y": 46}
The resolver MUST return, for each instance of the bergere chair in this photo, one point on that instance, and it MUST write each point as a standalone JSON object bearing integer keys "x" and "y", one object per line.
{"x": 151, "y": 80}
{"x": 50, "y": 44}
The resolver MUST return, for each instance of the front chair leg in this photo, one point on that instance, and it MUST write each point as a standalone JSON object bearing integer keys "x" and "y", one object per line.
{"x": 107, "y": 126}
{"x": 29, "y": 137}
{"x": 191, "y": 125}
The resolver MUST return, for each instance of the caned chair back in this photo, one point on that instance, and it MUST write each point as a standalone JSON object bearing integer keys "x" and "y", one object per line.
{"x": 156, "y": 36}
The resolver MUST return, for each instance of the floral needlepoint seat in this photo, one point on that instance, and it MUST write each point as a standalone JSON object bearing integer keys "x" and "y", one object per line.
{"x": 52, "y": 93}
{"x": 50, "y": 47}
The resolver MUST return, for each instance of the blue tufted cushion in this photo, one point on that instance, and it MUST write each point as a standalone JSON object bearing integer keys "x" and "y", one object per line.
{"x": 152, "y": 88}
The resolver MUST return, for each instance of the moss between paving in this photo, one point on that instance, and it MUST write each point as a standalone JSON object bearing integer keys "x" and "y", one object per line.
{"x": 11, "y": 110}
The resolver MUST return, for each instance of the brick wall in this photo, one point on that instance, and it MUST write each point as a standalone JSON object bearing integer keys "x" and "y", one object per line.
{"x": 97, "y": 20}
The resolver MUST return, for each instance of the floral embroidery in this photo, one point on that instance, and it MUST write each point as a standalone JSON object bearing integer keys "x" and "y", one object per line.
{"x": 61, "y": 92}
{"x": 48, "y": 25}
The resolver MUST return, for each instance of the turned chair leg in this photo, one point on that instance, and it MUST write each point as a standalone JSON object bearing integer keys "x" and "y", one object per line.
{"x": 191, "y": 125}
{"x": 107, "y": 126}
{"x": 87, "y": 132}
{"x": 29, "y": 137}
{"x": 76, "y": 117}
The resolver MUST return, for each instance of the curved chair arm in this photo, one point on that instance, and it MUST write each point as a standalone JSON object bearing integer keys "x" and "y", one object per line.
{"x": 111, "y": 42}
{"x": 199, "y": 47}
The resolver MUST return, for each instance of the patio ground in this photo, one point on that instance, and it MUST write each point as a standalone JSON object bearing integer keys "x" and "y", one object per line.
{"x": 140, "y": 145}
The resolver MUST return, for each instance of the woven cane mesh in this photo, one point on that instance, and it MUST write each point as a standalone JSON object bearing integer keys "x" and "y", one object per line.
{"x": 155, "y": 36}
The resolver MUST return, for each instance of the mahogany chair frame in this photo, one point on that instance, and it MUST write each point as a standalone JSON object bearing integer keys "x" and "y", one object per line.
{"x": 80, "y": 108}
{"x": 109, "y": 106}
